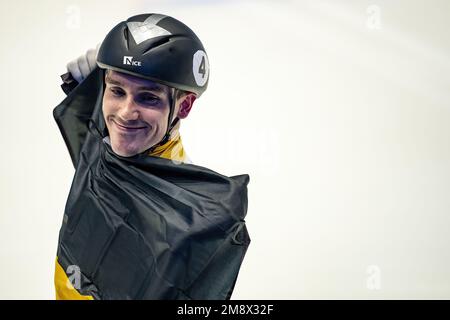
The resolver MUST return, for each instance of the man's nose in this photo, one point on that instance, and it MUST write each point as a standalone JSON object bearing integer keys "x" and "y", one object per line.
{"x": 129, "y": 110}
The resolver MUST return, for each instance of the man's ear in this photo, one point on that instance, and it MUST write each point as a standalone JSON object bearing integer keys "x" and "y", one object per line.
{"x": 186, "y": 105}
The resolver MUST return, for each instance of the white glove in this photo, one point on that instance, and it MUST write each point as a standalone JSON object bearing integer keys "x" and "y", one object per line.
{"x": 84, "y": 64}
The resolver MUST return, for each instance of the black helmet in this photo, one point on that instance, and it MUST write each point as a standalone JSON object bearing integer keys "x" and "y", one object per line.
{"x": 159, "y": 48}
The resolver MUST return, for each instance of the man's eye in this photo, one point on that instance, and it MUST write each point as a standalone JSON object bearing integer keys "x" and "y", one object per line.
{"x": 148, "y": 98}
{"x": 117, "y": 92}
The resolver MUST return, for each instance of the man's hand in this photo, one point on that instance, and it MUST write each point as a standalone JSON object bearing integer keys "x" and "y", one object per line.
{"x": 83, "y": 65}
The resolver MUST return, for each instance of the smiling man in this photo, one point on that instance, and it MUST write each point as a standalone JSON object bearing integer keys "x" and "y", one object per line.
{"x": 137, "y": 110}
{"x": 140, "y": 222}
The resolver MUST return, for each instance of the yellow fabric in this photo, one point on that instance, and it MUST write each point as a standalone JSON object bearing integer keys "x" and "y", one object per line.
{"x": 172, "y": 149}
{"x": 63, "y": 286}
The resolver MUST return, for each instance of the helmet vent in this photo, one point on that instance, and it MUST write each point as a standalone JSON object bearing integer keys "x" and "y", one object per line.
{"x": 127, "y": 37}
{"x": 156, "y": 44}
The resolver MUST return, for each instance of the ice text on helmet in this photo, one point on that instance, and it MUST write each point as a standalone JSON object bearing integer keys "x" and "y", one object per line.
{"x": 128, "y": 60}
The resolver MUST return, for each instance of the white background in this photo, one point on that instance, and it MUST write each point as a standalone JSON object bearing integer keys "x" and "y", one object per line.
{"x": 338, "y": 111}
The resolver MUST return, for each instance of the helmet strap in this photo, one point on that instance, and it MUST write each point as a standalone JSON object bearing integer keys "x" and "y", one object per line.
{"x": 170, "y": 126}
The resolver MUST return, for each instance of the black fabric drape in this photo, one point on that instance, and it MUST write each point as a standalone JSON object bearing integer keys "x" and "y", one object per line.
{"x": 144, "y": 227}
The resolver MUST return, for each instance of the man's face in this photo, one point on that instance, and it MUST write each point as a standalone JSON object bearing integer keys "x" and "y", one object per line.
{"x": 136, "y": 111}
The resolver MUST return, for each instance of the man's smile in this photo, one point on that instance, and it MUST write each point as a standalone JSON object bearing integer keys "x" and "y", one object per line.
{"x": 128, "y": 129}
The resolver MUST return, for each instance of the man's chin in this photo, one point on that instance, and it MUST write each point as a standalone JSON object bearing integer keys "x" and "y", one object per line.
{"x": 124, "y": 152}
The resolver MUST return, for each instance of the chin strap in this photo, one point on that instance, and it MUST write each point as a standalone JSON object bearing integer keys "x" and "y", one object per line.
{"x": 170, "y": 126}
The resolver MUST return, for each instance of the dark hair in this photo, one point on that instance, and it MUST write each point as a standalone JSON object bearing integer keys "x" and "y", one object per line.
{"x": 180, "y": 93}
